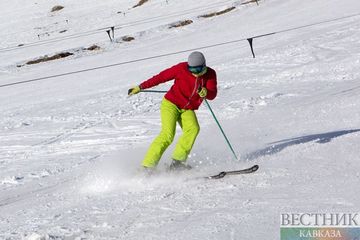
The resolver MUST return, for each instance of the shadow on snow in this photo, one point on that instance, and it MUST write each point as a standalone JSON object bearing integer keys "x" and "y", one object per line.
{"x": 278, "y": 146}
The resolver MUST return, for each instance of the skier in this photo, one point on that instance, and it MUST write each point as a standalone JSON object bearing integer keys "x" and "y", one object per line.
{"x": 194, "y": 81}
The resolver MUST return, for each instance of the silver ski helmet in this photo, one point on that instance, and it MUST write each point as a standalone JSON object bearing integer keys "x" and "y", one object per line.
{"x": 196, "y": 59}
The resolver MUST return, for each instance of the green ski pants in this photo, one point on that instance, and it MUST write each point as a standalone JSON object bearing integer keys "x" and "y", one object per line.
{"x": 170, "y": 114}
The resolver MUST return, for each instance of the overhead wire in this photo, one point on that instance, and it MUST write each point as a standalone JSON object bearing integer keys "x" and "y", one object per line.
{"x": 116, "y": 26}
{"x": 175, "y": 53}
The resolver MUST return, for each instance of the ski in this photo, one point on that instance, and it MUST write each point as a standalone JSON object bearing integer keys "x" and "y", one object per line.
{"x": 236, "y": 172}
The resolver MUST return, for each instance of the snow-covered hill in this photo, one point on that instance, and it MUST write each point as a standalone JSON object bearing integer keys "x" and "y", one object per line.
{"x": 71, "y": 146}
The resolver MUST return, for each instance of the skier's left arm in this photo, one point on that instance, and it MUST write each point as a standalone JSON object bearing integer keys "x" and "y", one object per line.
{"x": 211, "y": 86}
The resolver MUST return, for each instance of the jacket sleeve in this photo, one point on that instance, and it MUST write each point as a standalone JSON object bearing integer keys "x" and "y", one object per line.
{"x": 211, "y": 86}
{"x": 164, "y": 76}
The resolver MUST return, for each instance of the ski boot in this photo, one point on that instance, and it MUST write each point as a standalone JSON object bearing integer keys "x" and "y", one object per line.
{"x": 147, "y": 172}
{"x": 177, "y": 165}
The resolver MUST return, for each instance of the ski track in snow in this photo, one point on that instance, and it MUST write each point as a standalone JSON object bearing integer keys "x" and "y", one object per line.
{"x": 70, "y": 148}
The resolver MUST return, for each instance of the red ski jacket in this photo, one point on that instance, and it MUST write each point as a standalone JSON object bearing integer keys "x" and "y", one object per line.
{"x": 183, "y": 92}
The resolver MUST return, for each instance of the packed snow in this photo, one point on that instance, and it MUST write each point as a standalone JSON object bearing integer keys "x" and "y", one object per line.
{"x": 71, "y": 146}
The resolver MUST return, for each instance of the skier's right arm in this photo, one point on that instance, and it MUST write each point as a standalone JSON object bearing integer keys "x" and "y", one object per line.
{"x": 164, "y": 76}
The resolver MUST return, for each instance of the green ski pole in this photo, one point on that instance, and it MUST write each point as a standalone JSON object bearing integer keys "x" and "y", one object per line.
{"x": 222, "y": 131}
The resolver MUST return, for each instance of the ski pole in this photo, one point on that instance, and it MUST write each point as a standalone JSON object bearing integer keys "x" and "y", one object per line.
{"x": 153, "y": 91}
{"x": 221, "y": 129}
{"x": 212, "y": 113}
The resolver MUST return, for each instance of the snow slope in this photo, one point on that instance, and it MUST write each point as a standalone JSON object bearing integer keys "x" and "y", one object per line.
{"x": 71, "y": 146}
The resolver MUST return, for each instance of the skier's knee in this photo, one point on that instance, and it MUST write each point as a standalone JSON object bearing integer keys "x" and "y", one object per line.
{"x": 194, "y": 130}
{"x": 167, "y": 138}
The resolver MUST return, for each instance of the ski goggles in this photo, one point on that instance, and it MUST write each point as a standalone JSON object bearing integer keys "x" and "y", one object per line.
{"x": 197, "y": 69}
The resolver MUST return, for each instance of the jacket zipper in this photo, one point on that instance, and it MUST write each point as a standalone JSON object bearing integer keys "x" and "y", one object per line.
{"x": 193, "y": 93}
